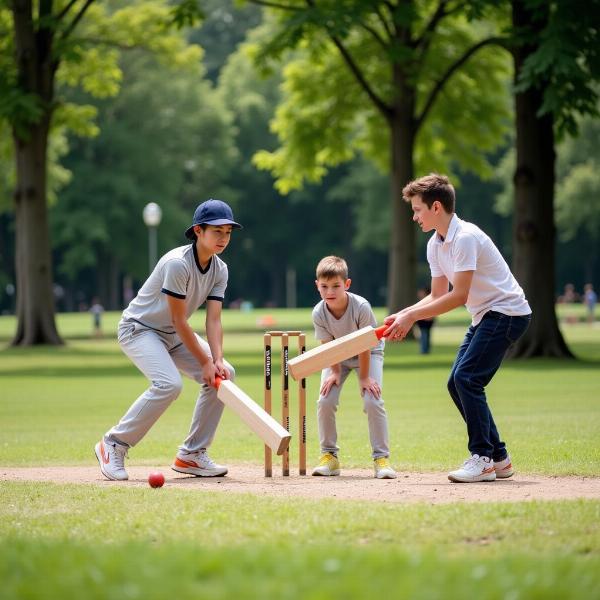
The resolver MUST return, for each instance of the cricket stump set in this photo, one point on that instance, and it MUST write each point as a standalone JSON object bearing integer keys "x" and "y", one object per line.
{"x": 285, "y": 399}
{"x": 275, "y": 435}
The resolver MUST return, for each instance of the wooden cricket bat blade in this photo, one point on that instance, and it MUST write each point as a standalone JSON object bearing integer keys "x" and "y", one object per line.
{"x": 336, "y": 351}
{"x": 272, "y": 433}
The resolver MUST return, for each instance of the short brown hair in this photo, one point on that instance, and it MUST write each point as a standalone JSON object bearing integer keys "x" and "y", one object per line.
{"x": 432, "y": 187}
{"x": 332, "y": 266}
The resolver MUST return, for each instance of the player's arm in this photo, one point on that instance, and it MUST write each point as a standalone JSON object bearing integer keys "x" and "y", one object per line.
{"x": 440, "y": 304}
{"x": 214, "y": 335}
{"x": 334, "y": 377}
{"x": 188, "y": 337}
{"x": 365, "y": 382}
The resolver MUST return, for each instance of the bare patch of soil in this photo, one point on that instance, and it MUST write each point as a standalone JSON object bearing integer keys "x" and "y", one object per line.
{"x": 353, "y": 484}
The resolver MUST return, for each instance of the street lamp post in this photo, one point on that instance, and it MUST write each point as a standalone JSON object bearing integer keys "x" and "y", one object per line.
{"x": 152, "y": 215}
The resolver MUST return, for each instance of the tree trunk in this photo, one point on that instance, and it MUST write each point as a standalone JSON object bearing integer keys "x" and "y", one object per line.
{"x": 33, "y": 262}
{"x": 534, "y": 233}
{"x": 402, "y": 269}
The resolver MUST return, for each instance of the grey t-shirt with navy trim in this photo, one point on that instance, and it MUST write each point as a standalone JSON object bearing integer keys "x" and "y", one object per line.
{"x": 178, "y": 274}
{"x": 358, "y": 314}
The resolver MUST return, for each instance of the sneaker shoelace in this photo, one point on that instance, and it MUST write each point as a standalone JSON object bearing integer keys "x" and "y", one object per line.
{"x": 119, "y": 456}
{"x": 472, "y": 462}
{"x": 205, "y": 460}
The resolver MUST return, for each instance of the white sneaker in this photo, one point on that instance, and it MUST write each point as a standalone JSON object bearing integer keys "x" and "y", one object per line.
{"x": 111, "y": 457}
{"x": 328, "y": 466}
{"x": 383, "y": 469}
{"x": 504, "y": 468}
{"x": 198, "y": 464}
{"x": 476, "y": 468}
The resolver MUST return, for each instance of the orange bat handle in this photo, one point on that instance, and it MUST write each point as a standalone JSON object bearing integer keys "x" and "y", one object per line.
{"x": 217, "y": 382}
{"x": 379, "y": 331}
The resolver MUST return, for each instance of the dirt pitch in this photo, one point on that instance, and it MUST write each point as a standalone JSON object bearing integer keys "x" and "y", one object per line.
{"x": 353, "y": 484}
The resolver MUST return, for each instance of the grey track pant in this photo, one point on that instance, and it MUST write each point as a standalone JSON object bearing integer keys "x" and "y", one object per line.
{"x": 373, "y": 407}
{"x": 161, "y": 357}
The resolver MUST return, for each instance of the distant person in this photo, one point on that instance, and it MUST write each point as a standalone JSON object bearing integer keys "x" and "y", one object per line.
{"x": 569, "y": 296}
{"x": 461, "y": 254}
{"x": 337, "y": 314}
{"x": 590, "y": 299}
{"x": 97, "y": 309}
{"x": 155, "y": 334}
{"x": 424, "y": 325}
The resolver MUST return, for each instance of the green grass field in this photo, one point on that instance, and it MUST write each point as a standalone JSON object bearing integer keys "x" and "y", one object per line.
{"x": 82, "y": 541}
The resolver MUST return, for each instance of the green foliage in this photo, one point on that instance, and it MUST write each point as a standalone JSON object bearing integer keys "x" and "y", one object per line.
{"x": 281, "y": 233}
{"x": 577, "y": 208}
{"x": 88, "y": 60}
{"x": 186, "y": 13}
{"x": 577, "y": 185}
{"x": 325, "y": 118}
{"x": 366, "y": 190}
{"x": 223, "y": 28}
{"x": 471, "y": 117}
{"x": 576, "y": 211}
{"x": 165, "y": 138}
{"x": 566, "y": 61}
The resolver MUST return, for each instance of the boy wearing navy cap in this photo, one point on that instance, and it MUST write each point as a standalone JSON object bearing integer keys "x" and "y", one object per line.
{"x": 154, "y": 333}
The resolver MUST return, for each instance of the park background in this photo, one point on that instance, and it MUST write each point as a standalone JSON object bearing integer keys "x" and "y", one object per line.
{"x": 173, "y": 115}
{"x": 179, "y": 128}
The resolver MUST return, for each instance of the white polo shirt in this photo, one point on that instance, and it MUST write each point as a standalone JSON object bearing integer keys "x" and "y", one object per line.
{"x": 468, "y": 248}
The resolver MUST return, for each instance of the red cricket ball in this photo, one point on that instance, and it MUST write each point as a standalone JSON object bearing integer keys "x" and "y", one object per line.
{"x": 156, "y": 480}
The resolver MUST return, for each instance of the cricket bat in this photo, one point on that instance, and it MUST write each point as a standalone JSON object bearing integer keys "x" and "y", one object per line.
{"x": 272, "y": 433}
{"x": 335, "y": 351}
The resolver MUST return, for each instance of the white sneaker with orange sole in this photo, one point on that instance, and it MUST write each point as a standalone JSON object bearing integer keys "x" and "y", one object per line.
{"x": 476, "y": 468}
{"x": 504, "y": 468}
{"x": 198, "y": 464}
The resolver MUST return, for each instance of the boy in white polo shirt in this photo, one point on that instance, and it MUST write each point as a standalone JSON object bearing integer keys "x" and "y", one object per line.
{"x": 154, "y": 333}
{"x": 461, "y": 254}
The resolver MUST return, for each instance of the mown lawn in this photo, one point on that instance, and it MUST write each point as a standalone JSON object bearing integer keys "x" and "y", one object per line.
{"x": 62, "y": 541}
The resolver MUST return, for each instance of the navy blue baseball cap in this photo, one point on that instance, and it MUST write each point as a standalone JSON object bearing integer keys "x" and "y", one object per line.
{"x": 212, "y": 212}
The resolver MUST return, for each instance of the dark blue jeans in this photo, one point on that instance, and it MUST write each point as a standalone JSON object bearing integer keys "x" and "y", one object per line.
{"x": 477, "y": 361}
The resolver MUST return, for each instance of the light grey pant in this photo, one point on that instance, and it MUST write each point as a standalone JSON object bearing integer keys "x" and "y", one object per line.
{"x": 160, "y": 357}
{"x": 373, "y": 407}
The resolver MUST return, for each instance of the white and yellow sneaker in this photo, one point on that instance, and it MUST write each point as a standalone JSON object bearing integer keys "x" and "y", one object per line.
{"x": 328, "y": 465}
{"x": 383, "y": 469}
{"x": 476, "y": 468}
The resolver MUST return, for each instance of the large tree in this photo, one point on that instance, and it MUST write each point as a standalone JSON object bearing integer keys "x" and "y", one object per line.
{"x": 44, "y": 43}
{"x": 555, "y": 47}
{"x": 406, "y": 83}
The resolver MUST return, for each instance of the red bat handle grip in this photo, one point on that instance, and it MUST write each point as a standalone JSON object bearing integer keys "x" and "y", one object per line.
{"x": 218, "y": 381}
{"x": 379, "y": 331}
